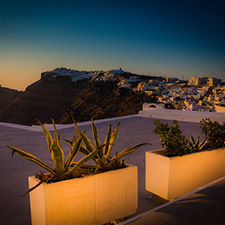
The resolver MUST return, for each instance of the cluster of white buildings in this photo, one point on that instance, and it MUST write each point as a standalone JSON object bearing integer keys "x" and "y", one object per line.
{"x": 199, "y": 94}
{"x": 200, "y": 81}
{"x": 80, "y": 75}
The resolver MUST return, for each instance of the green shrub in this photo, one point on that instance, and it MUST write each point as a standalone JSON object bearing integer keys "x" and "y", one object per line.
{"x": 214, "y": 132}
{"x": 174, "y": 142}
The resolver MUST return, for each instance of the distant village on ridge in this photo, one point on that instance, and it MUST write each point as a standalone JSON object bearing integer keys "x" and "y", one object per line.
{"x": 197, "y": 94}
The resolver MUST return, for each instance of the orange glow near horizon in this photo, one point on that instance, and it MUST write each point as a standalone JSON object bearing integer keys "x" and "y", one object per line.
{"x": 18, "y": 79}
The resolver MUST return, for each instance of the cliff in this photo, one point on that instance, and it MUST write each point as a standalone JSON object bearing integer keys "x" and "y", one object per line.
{"x": 59, "y": 97}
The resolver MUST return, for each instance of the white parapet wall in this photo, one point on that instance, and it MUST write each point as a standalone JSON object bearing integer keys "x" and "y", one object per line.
{"x": 181, "y": 115}
{"x": 91, "y": 200}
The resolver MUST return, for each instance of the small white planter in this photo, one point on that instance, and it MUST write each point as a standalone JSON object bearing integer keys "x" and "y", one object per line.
{"x": 173, "y": 177}
{"x": 95, "y": 199}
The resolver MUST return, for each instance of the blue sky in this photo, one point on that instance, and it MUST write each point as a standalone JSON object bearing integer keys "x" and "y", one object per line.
{"x": 171, "y": 38}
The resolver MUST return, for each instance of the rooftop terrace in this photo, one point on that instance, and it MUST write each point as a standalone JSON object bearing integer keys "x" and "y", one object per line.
{"x": 133, "y": 130}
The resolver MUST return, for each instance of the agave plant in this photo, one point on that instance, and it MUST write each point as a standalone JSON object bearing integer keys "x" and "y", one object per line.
{"x": 197, "y": 146}
{"x": 103, "y": 158}
{"x": 62, "y": 169}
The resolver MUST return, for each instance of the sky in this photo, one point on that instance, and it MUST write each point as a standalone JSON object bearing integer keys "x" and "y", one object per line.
{"x": 175, "y": 38}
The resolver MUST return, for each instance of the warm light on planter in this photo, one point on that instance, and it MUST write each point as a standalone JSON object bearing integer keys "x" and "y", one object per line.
{"x": 95, "y": 199}
{"x": 173, "y": 177}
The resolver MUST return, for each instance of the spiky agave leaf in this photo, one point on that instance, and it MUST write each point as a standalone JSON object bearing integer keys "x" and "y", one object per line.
{"x": 68, "y": 141}
{"x": 32, "y": 158}
{"x": 57, "y": 154}
{"x": 31, "y": 189}
{"x": 57, "y": 137}
{"x": 57, "y": 158}
{"x": 75, "y": 129}
{"x": 192, "y": 139}
{"x": 193, "y": 142}
{"x": 198, "y": 139}
{"x": 84, "y": 150}
{"x": 107, "y": 140}
{"x": 126, "y": 152}
{"x": 203, "y": 143}
{"x": 44, "y": 178}
{"x": 80, "y": 163}
{"x": 90, "y": 168}
{"x": 89, "y": 146}
{"x": 96, "y": 138}
{"x": 74, "y": 150}
{"x": 102, "y": 164}
{"x": 112, "y": 140}
{"x": 74, "y": 136}
{"x": 47, "y": 135}
{"x": 84, "y": 165}
{"x": 196, "y": 145}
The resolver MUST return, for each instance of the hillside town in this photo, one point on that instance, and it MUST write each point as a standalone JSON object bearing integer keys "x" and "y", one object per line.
{"x": 196, "y": 94}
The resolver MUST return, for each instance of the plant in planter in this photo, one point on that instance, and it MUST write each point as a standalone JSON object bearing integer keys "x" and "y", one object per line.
{"x": 94, "y": 199}
{"x": 196, "y": 145}
{"x": 61, "y": 170}
{"x": 174, "y": 142}
{"x": 116, "y": 182}
{"x": 183, "y": 165}
{"x": 103, "y": 158}
{"x": 214, "y": 132}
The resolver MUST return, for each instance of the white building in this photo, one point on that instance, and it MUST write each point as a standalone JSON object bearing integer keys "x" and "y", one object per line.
{"x": 196, "y": 81}
{"x": 213, "y": 81}
{"x": 219, "y": 107}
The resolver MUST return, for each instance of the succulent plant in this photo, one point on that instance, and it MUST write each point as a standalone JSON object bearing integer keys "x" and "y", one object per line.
{"x": 62, "y": 169}
{"x": 103, "y": 158}
{"x": 197, "y": 146}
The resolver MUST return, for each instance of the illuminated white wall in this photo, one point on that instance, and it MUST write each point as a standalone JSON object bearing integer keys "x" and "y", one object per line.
{"x": 95, "y": 199}
{"x": 173, "y": 177}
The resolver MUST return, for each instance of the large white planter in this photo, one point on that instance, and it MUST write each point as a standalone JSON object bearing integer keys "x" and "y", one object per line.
{"x": 173, "y": 177}
{"x": 95, "y": 199}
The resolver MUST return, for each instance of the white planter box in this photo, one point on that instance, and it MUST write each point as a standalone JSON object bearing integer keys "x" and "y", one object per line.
{"x": 173, "y": 177}
{"x": 95, "y": 199}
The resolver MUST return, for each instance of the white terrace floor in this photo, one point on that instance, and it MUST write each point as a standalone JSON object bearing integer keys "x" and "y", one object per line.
{"x": 14, "y": 210}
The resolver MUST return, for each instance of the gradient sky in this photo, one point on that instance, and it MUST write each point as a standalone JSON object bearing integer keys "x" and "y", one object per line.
{"x": 163, "y": 37}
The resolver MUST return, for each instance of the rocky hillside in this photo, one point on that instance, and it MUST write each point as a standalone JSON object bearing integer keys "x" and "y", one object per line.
{"x": 6, "y": 96}
{"x": 59, "y": 97}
